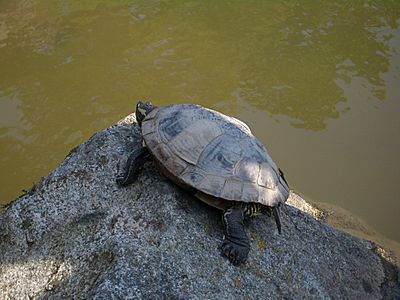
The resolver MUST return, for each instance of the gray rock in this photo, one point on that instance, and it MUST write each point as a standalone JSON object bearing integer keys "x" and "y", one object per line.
{"x": 76, "y": 234}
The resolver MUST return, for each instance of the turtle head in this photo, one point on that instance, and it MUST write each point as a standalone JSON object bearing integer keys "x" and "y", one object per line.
{"x": 142, "y": 110}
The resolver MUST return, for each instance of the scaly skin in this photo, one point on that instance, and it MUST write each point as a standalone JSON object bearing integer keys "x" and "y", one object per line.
{"x": 236, "y": 244}
{"x": 133, "y": 166}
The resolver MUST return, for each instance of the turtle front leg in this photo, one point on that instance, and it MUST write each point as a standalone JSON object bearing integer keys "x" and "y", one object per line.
{"x": 236, "y": 244}
{"x": 134, "y": 165}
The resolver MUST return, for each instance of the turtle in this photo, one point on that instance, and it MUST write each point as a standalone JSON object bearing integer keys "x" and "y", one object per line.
{"x": 218, "y": 159}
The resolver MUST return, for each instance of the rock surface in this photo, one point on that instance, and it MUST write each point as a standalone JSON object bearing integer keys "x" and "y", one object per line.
{"x": 76, "y": 234}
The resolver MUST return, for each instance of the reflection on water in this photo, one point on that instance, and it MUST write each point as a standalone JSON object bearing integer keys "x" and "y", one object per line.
{"x": 318, "y": 83}
{"x": 293, "y": 68}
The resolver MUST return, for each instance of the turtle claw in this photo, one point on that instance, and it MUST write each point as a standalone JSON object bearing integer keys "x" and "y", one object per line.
{"x": 123, "y": 180}
{"x": 120, "y": 180}
{"x": 237, "y": 254}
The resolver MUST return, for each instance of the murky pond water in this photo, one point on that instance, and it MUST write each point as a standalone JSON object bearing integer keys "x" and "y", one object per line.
{"x": 319, "y": 84}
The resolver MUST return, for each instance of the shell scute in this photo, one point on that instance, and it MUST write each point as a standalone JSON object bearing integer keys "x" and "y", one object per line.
{"x": 212, "y": 184}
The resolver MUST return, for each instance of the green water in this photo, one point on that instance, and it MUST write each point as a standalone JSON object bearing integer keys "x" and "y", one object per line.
{"x": 318, "y": 83}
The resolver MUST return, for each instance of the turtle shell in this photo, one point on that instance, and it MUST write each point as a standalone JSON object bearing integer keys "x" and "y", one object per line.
{"x": 213, "y": 153}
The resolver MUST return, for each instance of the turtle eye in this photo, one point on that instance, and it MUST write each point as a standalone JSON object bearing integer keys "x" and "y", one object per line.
{"x": 142, "y": 111}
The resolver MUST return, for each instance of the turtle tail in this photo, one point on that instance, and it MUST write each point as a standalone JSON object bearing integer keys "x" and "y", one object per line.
{"x": 275, "y": 213}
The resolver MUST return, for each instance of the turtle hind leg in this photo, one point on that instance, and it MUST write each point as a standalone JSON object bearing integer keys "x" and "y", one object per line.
{"x": 134, "y": 165}
{"x": 236, "y": 244}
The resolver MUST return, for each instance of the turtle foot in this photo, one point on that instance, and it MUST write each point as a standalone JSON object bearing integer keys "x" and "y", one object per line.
{"x": 121, "y": 180}
{"x": 236, "y": 253}
{"x": 133, "y": 167}
{"x": 236, "y": 244}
